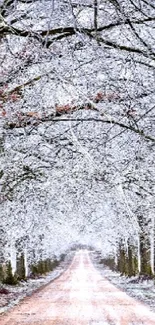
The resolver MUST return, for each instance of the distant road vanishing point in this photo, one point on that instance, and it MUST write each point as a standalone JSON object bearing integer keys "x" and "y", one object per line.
{"x": 80, "y": 296}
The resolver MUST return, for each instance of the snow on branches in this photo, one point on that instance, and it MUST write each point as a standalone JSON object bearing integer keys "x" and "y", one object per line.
{"x": 76, "y": 123}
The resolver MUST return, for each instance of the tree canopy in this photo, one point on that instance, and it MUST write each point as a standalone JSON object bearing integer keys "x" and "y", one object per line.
{"x": 76, "y": 123}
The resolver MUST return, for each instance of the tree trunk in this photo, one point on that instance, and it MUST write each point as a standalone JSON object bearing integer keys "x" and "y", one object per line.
{"x": 145, "y": 255}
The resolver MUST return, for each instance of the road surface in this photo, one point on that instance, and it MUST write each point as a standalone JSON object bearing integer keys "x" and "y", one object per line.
{"x": 81, "y": 296}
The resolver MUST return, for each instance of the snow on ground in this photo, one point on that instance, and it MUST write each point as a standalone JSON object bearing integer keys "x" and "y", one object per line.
{"x": 140, "y": 288}
{"x": 25, "y": 288}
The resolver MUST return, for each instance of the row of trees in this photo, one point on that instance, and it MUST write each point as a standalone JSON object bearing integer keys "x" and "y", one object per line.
{"x": 130, "y": 262}
{"x": 23, "y": 271}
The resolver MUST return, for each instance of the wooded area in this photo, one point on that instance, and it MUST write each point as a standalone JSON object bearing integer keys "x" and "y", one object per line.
{"x": 77, "y": 132}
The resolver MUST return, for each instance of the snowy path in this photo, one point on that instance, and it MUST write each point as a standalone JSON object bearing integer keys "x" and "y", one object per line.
{"x": 81, "y": 296}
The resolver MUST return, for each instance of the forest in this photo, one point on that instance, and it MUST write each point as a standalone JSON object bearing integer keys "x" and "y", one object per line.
{"x": 77, "y": 133}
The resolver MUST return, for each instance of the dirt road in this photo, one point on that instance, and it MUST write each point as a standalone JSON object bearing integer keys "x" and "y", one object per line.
{"x": 81, "y": 296}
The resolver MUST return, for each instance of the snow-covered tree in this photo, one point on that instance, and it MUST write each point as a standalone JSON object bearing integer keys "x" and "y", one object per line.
{"x": 77, "y": 127}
